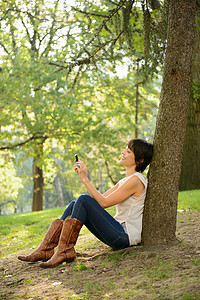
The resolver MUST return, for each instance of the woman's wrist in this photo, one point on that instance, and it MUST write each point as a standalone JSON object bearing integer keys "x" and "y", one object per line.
{"x": 84, "y": 180}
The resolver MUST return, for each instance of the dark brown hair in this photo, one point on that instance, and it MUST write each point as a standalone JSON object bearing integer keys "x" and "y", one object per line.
{"x": 143, "y": 152}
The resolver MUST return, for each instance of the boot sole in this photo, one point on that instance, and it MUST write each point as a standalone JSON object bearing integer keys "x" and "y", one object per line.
{"x": 67, "y": 261}
{"x": 33, "y": 262}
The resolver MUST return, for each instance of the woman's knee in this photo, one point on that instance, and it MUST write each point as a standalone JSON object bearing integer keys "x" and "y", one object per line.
{"x": 70, "y": 206}
{"x": 84, "y": 198}
{"x": 72, "y": 203}
{"x": 68, "y": 210}
{"x": 86, "y": 201}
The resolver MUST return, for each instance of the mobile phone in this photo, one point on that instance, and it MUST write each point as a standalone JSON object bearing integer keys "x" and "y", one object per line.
{"x": 76, "y": 157}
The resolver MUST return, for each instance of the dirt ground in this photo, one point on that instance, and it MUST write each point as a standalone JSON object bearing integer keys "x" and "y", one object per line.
{"x": 101, "y": 273}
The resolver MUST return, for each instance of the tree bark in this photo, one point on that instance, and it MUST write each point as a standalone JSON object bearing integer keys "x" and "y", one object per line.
{"x": 159, "y": 220}
{"x": 190, "y": 172}
{"x": 136, "y": 110}
{"x": 100, "y": 182}
{"x": 59, "y": 190}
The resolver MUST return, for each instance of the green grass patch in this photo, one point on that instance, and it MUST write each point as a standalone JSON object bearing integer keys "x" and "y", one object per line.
{"x": 80, "y": 267}
{"x": 191, "y": 297}
{"x": 114, "y": 258}
{"x": 161, "y": 270}
{"x": 189, "y": 200}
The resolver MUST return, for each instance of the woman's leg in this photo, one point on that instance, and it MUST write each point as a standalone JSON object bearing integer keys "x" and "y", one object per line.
{"x": 46, "y": 249}
{"x": 86, "y": 211}
{"x": 68, "y": 211}
{"x": 99, "y": 222}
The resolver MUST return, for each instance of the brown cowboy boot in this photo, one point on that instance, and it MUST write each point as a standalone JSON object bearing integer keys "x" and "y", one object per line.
{"x": 46, "y": 249}
{"x": 68, "y": 238}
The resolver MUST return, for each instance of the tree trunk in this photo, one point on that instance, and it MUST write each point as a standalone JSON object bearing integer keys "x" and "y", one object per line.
{"x": 136, "y": 111}
{"x": 100, "y": 182}
{"x": 190, "y": 172}
{"x": 38, "y": 180}
{"x": 59, "y": 190}
{"x": 159, "y": 220}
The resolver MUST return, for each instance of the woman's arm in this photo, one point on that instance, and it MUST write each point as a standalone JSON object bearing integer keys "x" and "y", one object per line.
{"x": 127, "y": 189}
{"x": 118, "y": 194}
{"x": 108, "y": 192}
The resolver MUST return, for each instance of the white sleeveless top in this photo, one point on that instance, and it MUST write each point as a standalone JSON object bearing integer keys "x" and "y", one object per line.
{"x": 130, "y": 212}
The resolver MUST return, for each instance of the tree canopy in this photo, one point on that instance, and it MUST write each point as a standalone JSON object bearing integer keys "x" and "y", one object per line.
{"x": 59, "y": 82}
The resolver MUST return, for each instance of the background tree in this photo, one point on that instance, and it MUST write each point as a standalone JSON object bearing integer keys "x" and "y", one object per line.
{"x": 190, "y": 172}
{"x": 34, "y": 107}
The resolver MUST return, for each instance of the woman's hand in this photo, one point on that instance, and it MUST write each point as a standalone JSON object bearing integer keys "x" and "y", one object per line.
{"x": 81, "y": 170}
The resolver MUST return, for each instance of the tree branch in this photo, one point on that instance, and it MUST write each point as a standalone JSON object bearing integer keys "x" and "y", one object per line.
{"x": 85, "y": 60}
{"x": 4, "y": 48}
{"x": 7, "y": 202}
{"x": 109, "y": 175}
{"x": 89, "y": 13}
{"x": 23, "y": 12}
{"x": 46, "y": 50}
{"x": 113, "y": 12}
{"x": 34, "y": 137}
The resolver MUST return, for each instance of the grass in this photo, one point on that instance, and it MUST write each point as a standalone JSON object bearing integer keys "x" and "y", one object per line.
{"x": 80, "y": 267}
{"x": 23, "y": 231}
{"x": 160, "y": 270}
{"x": 189, "y": 200}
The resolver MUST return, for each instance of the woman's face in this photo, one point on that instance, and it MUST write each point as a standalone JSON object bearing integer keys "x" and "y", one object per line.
{"x": 128, "y": 158}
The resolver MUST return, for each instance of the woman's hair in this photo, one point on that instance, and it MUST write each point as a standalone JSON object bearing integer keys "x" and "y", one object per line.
{"x": 143, "y": 152}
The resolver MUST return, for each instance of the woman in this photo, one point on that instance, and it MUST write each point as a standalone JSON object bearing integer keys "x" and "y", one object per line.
{"x": 119, "y": 232}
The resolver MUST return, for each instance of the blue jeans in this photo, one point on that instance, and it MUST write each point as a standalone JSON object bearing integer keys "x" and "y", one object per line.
{"x": 98, "y": 221}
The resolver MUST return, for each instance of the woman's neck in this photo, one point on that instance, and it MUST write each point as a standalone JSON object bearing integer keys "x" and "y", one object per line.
{"x": 130, "y": 171}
